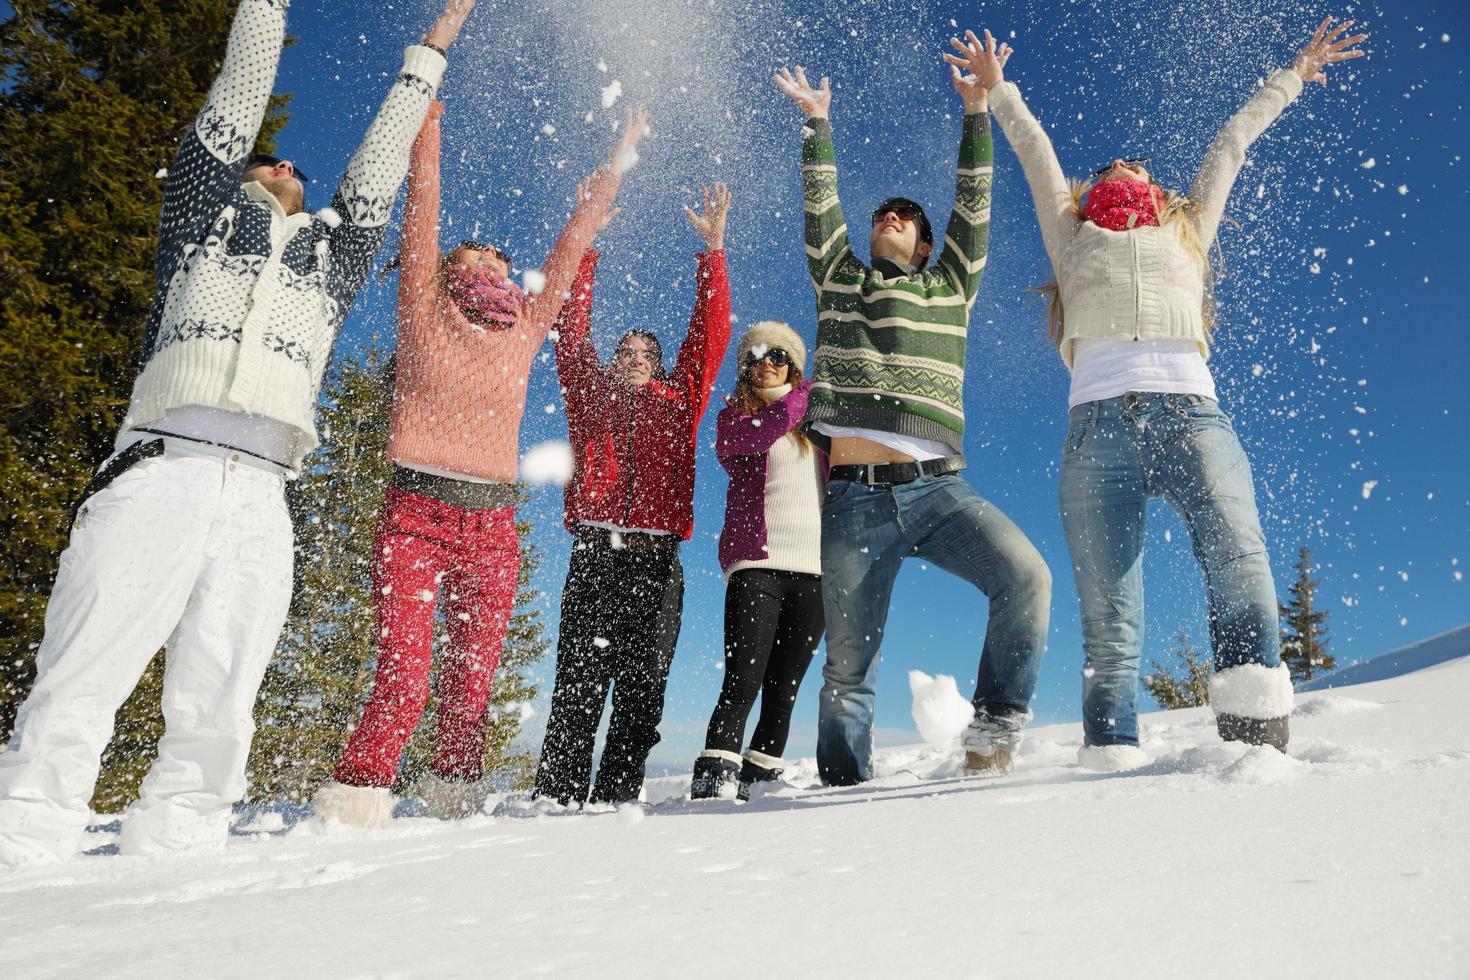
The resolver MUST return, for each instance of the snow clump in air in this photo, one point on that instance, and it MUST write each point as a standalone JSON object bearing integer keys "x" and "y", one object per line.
{"x": 941, "y": 712}
{"x": 547, "y": 463}
{"x": 611, "y": 93}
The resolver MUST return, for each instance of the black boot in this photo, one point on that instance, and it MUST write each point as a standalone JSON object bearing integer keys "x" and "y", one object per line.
{"x": 711, "y": 775}
{"x": 1274, "y": 732}
{"x": 753, "y": 773}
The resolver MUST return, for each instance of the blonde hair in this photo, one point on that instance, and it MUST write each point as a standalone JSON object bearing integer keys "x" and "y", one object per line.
{"x": 1176, "y": 214}
{"x": 747, "y": 398}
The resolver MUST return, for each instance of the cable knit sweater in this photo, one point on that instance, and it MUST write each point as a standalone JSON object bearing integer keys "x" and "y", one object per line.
{"x": 1144, "y": 283}
{"x": 249, "y": 299}
{"x": 461, "y": 388}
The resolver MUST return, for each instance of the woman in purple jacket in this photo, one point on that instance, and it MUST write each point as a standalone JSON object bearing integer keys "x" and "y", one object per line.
{"x": 770, "y": 549}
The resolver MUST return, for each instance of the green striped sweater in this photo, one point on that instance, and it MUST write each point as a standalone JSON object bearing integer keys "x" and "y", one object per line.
{"x": 891, "y": 348}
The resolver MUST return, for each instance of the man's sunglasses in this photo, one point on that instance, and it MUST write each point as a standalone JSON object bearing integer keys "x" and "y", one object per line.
{"x": 266, "y": 160}
{"x": 905, "y": 211}
{"x": 1128, "y": 161}
{"x": 777, "y": 357}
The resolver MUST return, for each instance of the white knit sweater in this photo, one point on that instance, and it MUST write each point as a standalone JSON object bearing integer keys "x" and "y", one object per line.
{"x": 248, "y": 298}
{"x": 1144, "y": 283}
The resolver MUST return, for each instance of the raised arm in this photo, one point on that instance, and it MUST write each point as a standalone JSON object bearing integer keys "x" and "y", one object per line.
{"x": 742, "y": 434}
{"x": 419, "y": 240}
{"x": 703, "y": 349}
{"x": 364, "y": 198}
{"x": 594, "y": 209}
{"x": 825, "y": 227}
{"x": 967, "y": 236}
{"x": 576, "y": 359}
{"x": 1226, "y": 154}
{"x": 207, "y": 169}
{"x": 1049, "y": 191}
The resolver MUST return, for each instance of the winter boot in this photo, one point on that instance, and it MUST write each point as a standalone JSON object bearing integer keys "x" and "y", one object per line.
{"x": 452, "y": 799}
{"x": 991, "y": 739}
{"x": 1275, "y": 732}
{"x": 715, "y": 776}
{"x": 757, "y": 767}
{"x": 1253, "y": 704}
{"x": 369, "y": 807}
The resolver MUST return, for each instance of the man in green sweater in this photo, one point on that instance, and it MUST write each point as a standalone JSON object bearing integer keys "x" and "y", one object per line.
{"x": 887, "y": 401}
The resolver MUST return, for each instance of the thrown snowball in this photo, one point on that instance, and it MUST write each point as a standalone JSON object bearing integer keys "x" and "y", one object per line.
{"x": 940, "y": 711}
{"x": 547, "y": 462}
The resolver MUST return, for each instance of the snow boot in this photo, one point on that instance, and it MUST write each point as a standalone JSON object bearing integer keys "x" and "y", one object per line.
{"x": 715, "y": 776}
{"x": 1111, "y": 758}
{"x": 452, "y": 799}
{"x": 369, "y": 807}
{"x": 1275, "y": 732}
{"x": 757, "y": 767}
{"x": 990, "y": 740}
{"x": 1253, "y": 704}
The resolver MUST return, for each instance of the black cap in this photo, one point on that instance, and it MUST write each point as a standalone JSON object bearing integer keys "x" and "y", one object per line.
{"x": 266, "y": 160}
{"x": 926, "y": 233}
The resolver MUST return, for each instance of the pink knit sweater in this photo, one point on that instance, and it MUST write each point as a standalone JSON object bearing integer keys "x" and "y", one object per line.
{"x": 461, "y": 389}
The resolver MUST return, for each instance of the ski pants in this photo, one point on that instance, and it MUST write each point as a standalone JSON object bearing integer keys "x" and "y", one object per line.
{"x": 620, "y": 615}
{"x": 421, "y": 546}
{"x": 190, "y": 551}
{"x": 773, "y": 623}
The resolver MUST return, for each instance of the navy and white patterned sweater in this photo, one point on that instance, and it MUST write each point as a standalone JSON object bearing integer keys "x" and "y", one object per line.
{"x": 248, "y": 298}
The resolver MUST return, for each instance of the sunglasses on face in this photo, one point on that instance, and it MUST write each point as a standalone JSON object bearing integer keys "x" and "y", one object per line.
{"x": 266, "y": 160}
{"x": 777, "y": 357}
{"x": 906, "y": 212}
{"x": 1133, "y": 162}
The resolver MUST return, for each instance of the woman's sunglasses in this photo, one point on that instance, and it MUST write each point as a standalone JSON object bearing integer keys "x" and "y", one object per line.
{"x": 777, "y": 357}
{"x": 1134, "y": 162}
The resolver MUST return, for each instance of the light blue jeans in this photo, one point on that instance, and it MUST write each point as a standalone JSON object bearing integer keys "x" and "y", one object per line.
{"x": 1121, "y": 452}
{"x": 867, "y": 532}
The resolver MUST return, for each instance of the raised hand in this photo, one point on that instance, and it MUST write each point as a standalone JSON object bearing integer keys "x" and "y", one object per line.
{"x": 815, "y": 102}
{"x": 711, "y": 224}
{"x": 985, "y": 60}
{"x": 635, "y": 127}
{"x": 446, "y": 28}
{"x": 1325, "y": 48}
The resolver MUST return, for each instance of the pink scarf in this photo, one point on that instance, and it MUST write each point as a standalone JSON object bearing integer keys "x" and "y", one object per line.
{"x": 485, "y": 298}
{"x": 1119, "y": 205}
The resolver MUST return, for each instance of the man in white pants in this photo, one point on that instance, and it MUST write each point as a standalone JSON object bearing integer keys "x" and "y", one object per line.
{"x": 182, "y": 539}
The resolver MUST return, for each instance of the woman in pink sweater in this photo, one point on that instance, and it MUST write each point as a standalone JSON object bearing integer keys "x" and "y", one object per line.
{"x": 467, "y": 335}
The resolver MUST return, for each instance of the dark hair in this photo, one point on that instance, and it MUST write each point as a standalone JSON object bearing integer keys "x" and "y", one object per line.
{"x": 926, "y": 232}
{"x": 654, "y": 347}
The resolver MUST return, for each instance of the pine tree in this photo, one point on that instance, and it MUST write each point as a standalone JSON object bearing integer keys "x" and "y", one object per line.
{"x": 1190, "y": 688}
{"x": 317, "y": 684}
{"x": 96, "y": 95}
{"x": 1303, "y": 635}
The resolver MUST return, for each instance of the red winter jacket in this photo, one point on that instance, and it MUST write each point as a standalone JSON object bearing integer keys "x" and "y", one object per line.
{"x": 633, "y": 448}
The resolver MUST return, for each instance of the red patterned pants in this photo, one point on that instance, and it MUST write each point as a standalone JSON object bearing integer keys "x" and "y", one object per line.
{"x": 425, "y": 549}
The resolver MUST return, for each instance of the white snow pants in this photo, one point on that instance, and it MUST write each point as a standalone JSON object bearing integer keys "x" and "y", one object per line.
{"x": 190, "y": 551}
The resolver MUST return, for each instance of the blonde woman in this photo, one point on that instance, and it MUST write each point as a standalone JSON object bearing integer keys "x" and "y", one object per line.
{"x": 771, "y": 553}
{"x": 1131, "y": 316}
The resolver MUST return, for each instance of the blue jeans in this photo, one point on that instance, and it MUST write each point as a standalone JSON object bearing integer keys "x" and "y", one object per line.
{"x": 867, "y": 532}
{"x": 1119, "y": 453}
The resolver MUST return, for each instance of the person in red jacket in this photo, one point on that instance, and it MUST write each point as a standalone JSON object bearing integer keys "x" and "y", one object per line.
{"x": 629, "y": 505}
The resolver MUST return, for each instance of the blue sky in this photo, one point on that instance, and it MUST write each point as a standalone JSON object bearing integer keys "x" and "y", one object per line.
{"x": 1342, "y": 347}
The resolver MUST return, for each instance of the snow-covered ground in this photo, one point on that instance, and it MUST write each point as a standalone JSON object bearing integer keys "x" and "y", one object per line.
{"x": 1347, "y": 857}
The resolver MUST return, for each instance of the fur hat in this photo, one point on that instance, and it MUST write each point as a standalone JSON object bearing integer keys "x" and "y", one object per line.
{"x": 774, "y": 333}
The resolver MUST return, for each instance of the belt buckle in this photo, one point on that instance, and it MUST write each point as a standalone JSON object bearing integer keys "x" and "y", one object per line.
{"x": 868, "y": 474}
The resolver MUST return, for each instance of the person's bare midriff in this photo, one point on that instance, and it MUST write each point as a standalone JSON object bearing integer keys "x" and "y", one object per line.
{"x": 851, "y": 450}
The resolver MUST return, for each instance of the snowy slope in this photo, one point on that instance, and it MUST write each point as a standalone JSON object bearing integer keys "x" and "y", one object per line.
{"x": 1449, "y": 645}
{"x": 1348, "y": 857}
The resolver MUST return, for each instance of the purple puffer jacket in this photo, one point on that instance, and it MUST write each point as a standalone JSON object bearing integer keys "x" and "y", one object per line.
{"x": 743, "y": 444}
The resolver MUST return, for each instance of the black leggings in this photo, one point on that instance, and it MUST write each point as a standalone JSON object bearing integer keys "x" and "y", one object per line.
{"x": 773, "y": 623}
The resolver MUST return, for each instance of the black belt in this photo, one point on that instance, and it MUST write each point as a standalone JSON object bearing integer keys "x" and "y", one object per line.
{"x": 116, "y": 467}
{"x": 876, "y": 473}
{"x": 464, "y": 494}
{"x": 625, "y": 540}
